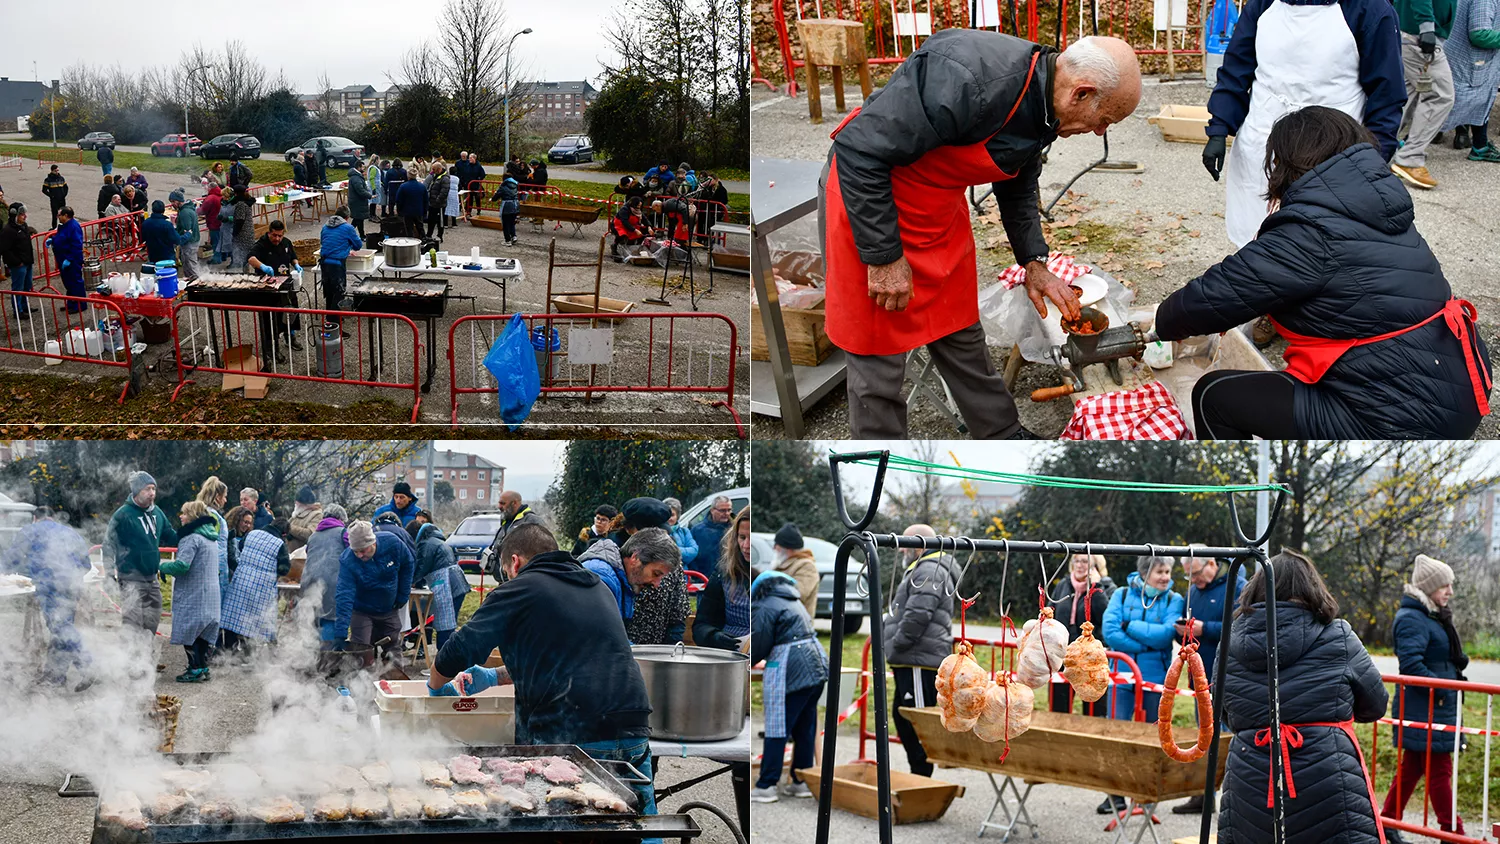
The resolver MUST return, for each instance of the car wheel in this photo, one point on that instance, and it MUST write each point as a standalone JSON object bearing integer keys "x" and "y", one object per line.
{"x": 852, "y": 623}
{"x": 180, "y": 152}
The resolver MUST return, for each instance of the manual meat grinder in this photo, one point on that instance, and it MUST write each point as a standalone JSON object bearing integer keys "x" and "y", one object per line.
{"x": 1105, "y": 345}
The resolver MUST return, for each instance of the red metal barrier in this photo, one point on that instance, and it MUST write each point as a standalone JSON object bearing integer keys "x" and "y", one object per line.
{"x": 228, "y": 326}
{"x": 756, "y": 75}
{"x": 116, "y": 238}
{"x": 488, "y": 186}
{"x": 60, "y": 155}
{"x": 67, "y": 314}
{"x": 643, "y": 371}
{"x": 895, "y": 28}
{"x": 1431, "y": 686}
{"x": 12, "y": 161}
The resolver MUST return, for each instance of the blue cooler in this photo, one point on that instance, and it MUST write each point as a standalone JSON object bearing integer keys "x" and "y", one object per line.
{"x": 166, "y": 279}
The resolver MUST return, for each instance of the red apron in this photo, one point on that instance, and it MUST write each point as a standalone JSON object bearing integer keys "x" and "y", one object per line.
{"x": 1291, "y": 737}
{"x": 936, "y": 238}
{"x": 1309, "y": 358}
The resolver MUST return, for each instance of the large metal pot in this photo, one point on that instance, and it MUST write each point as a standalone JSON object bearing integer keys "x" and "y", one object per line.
{"x": 402, "y": 251}
{"x": 697, "y": 694}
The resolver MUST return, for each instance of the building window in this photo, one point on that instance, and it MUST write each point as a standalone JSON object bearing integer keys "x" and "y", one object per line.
{"x": 464, "y": 474}
{"x": 479, "y": 494}
{"x": 481, "y": 474}
{"x": 420, "y": 474}
{"x": 463, "y": 494}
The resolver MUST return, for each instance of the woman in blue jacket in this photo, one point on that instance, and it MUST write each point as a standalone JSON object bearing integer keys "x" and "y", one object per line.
{"x": 1427, "y": 645}
{"x": 796, "y": 668}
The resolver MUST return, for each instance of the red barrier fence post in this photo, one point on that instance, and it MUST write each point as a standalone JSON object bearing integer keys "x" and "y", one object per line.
{"x": 12, "y": 161}
{"x": 600, "y": 378}
{"x": 257, "y": 327}
{"x": 67, "y": 320}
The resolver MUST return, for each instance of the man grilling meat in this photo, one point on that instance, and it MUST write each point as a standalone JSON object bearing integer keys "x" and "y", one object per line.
{"x": 967, "y": 108}
{"x": 577, "y": 682}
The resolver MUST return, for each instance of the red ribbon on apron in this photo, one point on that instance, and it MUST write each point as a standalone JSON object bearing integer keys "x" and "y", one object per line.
{"x": 1309, "y": 358}
{"x": 1291, "y": 737}
{"x": 937, "y": 240}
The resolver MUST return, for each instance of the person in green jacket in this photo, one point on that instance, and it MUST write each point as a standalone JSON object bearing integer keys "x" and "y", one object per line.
{"x": 188, "y": 236}
{"x": 1425, "y": 26}
{"x": 132, "y": 547}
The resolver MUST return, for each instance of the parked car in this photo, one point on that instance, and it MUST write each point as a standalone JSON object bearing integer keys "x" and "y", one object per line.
{"x": 94, "y": 140}
{"x": 739, "y": 498}
{"x": 856, "y": 606}
{"x": 473, "y": 535}
{"x": 332, "y": 150}
{"x": 571, "y": 149}
{"x": 231, "y": 146}
{"x": 180, "y": 146}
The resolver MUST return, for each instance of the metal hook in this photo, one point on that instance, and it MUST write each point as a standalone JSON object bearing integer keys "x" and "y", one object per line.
{"x": 973, "y": 552}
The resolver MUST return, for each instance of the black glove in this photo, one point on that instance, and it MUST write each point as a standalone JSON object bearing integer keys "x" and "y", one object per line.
{"x": 1428, "y": 42}
{"x": 1213, "y": 156}
{"x": 1125, "y": 625}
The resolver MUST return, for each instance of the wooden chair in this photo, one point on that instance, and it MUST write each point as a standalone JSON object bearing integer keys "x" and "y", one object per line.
{"x": 832, "y": 43}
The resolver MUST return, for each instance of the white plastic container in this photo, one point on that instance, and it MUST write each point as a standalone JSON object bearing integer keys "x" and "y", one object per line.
{"x": 474, "y": 253}
{"x": 488, "y": 718}
{"x": 83, "y": 342}
{"x": 443, "y": 257}
{"x": 54, "y": 348}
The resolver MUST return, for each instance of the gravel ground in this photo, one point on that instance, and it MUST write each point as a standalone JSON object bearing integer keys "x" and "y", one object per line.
{"x": 701, "y": 346}
{"x": 1154, "y": 230}
{"x": 230, "y": 707}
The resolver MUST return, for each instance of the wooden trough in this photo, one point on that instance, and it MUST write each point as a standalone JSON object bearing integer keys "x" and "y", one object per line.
{"x": 914, "y": 799}
{"x": 578, "y": 215}
{"x": 583, "y": 303}
{"x": 1097, "y": 754}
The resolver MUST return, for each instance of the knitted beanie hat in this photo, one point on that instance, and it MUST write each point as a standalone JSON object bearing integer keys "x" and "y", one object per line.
{"x": 1430, "y": 575}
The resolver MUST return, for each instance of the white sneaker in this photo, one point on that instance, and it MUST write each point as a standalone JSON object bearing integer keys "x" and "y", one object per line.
{"x": 764, "y": 795}
{"x": 797, "y": 789}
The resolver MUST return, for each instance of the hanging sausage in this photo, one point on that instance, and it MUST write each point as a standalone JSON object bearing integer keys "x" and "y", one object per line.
{"x": 1085, "y": 667}
{"x": 1043, "y": 642}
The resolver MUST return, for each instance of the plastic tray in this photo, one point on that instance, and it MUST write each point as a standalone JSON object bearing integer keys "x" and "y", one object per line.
{"x": 488, "y": 718}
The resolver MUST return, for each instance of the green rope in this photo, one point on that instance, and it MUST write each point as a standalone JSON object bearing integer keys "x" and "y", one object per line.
{"x": 899, "y": 463}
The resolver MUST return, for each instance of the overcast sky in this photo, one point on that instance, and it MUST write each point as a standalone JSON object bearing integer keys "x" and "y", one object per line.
{"x": 567, "y": 42}
{"x": 531, "y": 457}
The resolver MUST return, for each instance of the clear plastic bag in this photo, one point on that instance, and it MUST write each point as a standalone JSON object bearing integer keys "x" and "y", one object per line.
{"x": 1009, "y": 318}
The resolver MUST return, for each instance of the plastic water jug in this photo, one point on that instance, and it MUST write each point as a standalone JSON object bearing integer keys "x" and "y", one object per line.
{"x": 54, "y": 348}
{"x": 330, "y": 353}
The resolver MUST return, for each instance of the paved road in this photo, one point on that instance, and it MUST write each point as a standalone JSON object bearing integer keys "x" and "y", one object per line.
{"x": 591, "y": 172}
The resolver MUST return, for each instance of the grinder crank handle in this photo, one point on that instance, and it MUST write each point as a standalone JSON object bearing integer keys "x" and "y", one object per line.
{"x": 1050, "y": 393}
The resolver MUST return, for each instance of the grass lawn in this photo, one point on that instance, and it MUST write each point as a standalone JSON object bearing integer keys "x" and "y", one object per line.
{"x": 272, "y": 168}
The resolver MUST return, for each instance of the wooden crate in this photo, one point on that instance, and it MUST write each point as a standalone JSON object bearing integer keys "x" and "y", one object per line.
{"x": 914, "y": 799}
{"x": 1182, "y": 123}
{"x": 1097, "y": 754}
{"x": 805, "y": 337}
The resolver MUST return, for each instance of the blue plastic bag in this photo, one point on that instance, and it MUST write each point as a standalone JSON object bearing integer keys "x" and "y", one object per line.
{"x": 513, "y": 363}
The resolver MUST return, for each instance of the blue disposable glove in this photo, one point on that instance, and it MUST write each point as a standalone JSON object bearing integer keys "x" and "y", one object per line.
{"x": 479, "y": 679}
{"x": 268, "y": 269}
{"x": 67, "y": 263}
{"x": 446, "y": 690}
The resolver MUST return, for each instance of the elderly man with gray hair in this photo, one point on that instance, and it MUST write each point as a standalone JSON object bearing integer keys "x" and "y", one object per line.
{"x": 968, "y": 107}
{"x": 649, "y": 555}
{"x": 374, "y": 586}
{"x": 709, "y": 533}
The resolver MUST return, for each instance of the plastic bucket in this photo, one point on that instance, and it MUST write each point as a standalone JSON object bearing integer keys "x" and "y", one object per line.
{"x": 540, "y": 345}
{"x": 166, "y": 279}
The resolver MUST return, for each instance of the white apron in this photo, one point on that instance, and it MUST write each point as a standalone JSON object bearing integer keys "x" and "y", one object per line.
{"x": 1305, "y": 55}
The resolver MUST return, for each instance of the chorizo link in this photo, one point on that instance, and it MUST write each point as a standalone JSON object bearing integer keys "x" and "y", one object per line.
{"x": 1188, "y": 655}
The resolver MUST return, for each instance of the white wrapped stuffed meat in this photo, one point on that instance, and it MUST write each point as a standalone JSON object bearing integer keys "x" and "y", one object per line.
{"x": 1007, "y": 711}
{"x": 1044, "y": 641}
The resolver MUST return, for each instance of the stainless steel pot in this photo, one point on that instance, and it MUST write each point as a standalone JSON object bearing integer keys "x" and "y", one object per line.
{"x": 697, "y": 694}
{"x": 402, "y": 251}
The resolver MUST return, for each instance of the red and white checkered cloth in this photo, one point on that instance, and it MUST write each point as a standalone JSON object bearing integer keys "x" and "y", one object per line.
{"x": 1061, "y": 266}
{"x": 1145, "y": 413}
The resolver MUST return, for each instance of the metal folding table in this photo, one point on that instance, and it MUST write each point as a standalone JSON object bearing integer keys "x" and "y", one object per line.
{"x": 733, "y": 753}
{"x": 777, "y": 388}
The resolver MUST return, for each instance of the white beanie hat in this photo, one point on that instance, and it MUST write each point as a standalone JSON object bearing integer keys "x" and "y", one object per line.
{"x": 1430, "y": 575}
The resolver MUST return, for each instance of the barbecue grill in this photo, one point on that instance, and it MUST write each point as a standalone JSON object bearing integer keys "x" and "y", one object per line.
{"x": 581, "y": 826}
{"x": 254, "y": 290}
{"x": 409, "y": 297}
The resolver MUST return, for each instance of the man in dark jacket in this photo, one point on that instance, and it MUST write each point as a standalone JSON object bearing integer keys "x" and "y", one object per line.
{"x": 240, "y": 175}
{"x": 55, "y": 186}
{"x": 299, "y": 172}
{"x": 1427, "y": 645}
{"x": 137, "y": 532}
{"x": 403, "y": 503}
{"x": 965, "y": 108}
{"x": 576, "y": 683}
{"x": 374, "y": 585}
{"x": 1341, "y": 259}
{"x": 18, "y": 257}
{"x": 475, "y": 174}
{"x": 106, "y": 156}
{"x": 411, "y": 205}
{"x": 781, "y": 635}
{"x": 67, "y": 248}
{"x": 645, "y": 558}
{"x": 709, "y": 533}
{"x": 516, "y": 514}
{"x": 159, "y": 235}
{"x": 106, "y": 194}
{"x": 598, "y": 529}
{"x": 918, "y": 636}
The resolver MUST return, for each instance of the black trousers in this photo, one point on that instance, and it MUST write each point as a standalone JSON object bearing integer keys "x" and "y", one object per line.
{"x": 508, "y": 221}
{"x": 801, "y": 729}
{"x": 1063, "y": 701}
{"x": 915, "y": 687}
{"x": 1237, "y": 405}
{"x": 334, "y": 276}
{"x": 56, "y": 207}
{"x": 435, "y": 221}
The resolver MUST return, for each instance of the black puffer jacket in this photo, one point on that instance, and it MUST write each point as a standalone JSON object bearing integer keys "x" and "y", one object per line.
{"x": 1342, "y": 259}
{"x": 1326, "y": 676}
{"x": 919, "y": 631}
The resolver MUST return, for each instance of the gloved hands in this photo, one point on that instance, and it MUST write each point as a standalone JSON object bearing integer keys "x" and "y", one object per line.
{"x": 1213, "y": 156}
{"x": 66, "y": 263}
{"x": 268, "y": 269}
{"x": 445, "y": 690}
{"x": 1427, "y": 41}
{"x": 476, "y": 679}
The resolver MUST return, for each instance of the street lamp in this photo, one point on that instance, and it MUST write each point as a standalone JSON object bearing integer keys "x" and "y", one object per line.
{"x": 188, "y": 99}
{"x": 508, "y": 45}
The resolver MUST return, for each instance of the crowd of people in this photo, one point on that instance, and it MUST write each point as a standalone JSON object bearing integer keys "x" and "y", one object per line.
{"x": 1328, "y": 681}
{"x": 674, "y": 207}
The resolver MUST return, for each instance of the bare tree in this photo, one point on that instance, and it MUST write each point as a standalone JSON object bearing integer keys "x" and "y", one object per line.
{"x": 326, "y": 96}
{"x": 472, "y": 45}
{"x": 420, "y": 66}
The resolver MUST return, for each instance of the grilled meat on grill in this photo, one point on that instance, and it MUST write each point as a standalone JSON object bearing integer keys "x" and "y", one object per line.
{"x": 345, "y": 778}
{"x": 377, "y": 774}
{"x": 219, "y": 809}
{"x": 564, "y": 796}
{"x": 508, "y": 797}
{"x": 123, "y": 808}
{"x": 405, "y": 772}
{"x": 239, "y": 779}
{"x": 472, "y": 802}
{"x": 559, "y": 771}
{"x": 406, "y": 803}
{"x": 466, "y": 771}
{"x": 437, "y": 803}
{"x": 511, "y": 772}
{"x": 185, "y": 780}
{"x": 331, "y": 807}
{"x": 436, "y": 775}
{"x": 279, "y": 809}
{"x": 367, "y": 805}
{"x": 602, "y": 798}
{"x": 169, "y": 807}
